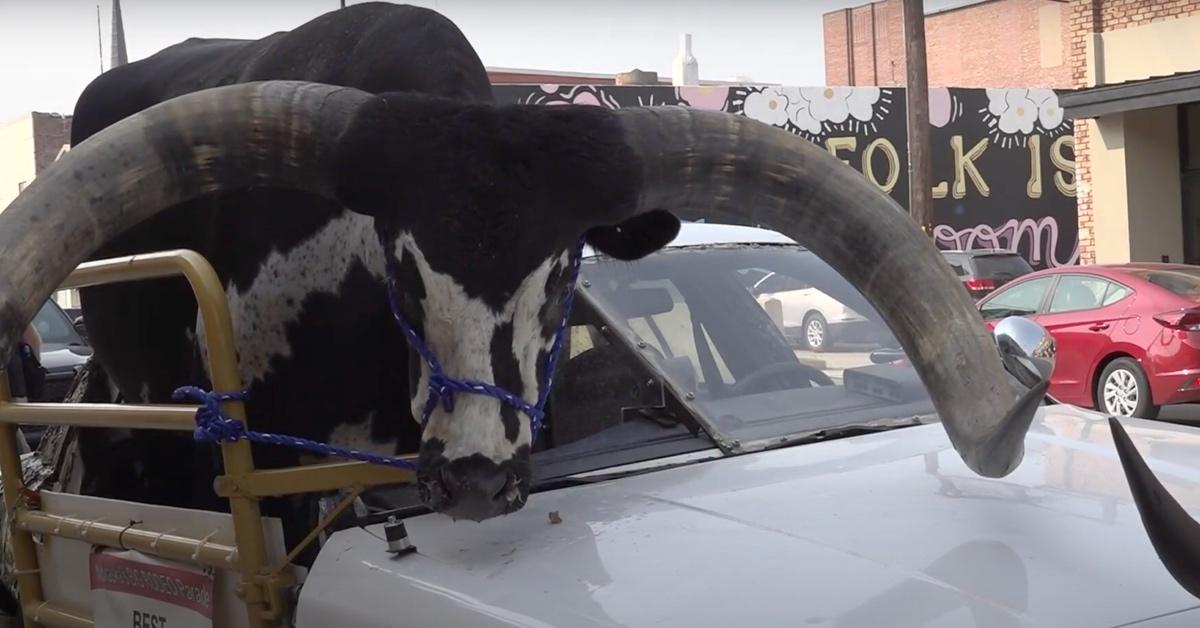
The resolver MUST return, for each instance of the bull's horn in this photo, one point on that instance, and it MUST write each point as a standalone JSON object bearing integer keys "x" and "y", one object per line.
{"x": 270, "y": 134}
{"x": 1174, "y": 534}
{"x": 722, "y": 167}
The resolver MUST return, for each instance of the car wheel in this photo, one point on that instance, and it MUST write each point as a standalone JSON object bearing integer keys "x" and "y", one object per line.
{"x": 816, "y": 332}
{"x": 1124, "y": 390}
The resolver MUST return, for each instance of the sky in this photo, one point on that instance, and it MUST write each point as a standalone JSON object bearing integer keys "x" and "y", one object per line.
{"x": 49, "y": 49}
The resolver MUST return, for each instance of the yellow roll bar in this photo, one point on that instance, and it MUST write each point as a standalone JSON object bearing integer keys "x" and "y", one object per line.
{"x": 261, "y": 585}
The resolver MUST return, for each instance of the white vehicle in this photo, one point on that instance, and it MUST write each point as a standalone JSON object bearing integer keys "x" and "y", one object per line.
{"x": 810, "y": 318}
{"x": 701, "y": 475}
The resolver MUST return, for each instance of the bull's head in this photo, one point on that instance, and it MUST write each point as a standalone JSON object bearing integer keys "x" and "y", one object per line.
{"x": 478, "y": 206}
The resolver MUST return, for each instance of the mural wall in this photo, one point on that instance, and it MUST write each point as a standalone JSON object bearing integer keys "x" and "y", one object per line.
{"x": 1003, "y": 160}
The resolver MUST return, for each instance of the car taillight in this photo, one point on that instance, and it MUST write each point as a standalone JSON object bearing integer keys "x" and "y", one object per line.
{"x": 1186, "y": 320}
{"x": 975, "y": 283}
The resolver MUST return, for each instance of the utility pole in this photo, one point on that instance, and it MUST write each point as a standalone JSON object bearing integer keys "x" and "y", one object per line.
{"x": 920, "y": 204}
{"x": 99, "y": 39}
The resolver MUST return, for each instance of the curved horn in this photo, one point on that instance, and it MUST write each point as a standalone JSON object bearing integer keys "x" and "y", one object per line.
{"x": 271, "y": 134}
{"x": 1174, "y": 534}
{"x": 731, "y": 168}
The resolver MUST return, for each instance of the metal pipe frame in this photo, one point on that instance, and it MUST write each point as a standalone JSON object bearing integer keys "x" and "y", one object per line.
{"x": 261, "y": 587}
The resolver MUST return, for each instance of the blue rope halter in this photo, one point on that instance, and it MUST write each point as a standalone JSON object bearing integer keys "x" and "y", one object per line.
{"x": 212, "y": 425}
{"x": 442, "y": 387}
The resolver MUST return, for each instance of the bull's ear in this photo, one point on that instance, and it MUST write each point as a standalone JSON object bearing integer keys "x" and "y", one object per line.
{"x": 635, "y": 238}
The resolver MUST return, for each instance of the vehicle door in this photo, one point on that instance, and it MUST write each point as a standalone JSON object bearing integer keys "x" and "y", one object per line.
{"x": 1019, "y": 298}
{"x": 1081, "y": 315}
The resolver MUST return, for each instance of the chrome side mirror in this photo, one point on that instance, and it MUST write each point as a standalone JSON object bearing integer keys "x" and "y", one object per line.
{"x": 1026, "y": 349}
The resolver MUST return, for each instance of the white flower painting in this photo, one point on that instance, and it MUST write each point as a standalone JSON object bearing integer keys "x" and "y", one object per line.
{"x": 814, "y": 109}
{"x": 767, "y": 105}
{"x": 837, "y": 104}
{"x": 1013, "y": 114}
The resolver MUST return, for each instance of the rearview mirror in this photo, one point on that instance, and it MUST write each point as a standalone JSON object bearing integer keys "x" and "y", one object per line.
{"x": 1026, "y": 349}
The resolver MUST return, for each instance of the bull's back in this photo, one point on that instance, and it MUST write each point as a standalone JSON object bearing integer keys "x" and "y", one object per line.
{"x": 374, "y": 46}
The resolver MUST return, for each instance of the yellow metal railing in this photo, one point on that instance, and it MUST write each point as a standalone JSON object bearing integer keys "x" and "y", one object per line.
{"x": 261, "y": 585}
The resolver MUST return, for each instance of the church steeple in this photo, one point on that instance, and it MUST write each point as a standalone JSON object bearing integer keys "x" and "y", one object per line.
{"x": 119, "y": 56}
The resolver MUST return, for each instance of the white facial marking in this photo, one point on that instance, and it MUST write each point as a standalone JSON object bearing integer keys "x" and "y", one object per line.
{"x": 459, "y": 330}
{"x": 275, "y": 298}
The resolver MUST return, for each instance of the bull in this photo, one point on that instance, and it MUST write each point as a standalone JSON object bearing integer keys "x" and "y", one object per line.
{"x": 314, "y": 168}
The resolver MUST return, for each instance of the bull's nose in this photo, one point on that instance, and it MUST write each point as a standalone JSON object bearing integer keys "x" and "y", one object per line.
{"x": 471, "y": 488}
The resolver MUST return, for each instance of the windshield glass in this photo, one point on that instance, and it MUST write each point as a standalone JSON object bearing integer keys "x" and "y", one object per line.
{"x": 53, "y": 326}
{"x": 733, "y": 328}
{"x": 1001, "y": 265}
{"x": 1184, "y": 282}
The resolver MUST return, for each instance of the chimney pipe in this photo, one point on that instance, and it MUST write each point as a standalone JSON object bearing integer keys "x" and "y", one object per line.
{"x": 685, "y": 70}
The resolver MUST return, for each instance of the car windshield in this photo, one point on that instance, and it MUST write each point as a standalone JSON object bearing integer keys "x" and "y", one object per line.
{"x": 1184, "y": 282}
{"x": 53, "y": 325}
{"x": 1003, "y": 265}
{"x": 704, "y": 319}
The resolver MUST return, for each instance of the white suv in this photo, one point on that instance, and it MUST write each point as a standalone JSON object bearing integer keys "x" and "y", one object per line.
{"x": 810, "y": 318}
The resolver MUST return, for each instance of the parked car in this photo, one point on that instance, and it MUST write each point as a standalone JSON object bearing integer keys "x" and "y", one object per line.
{"x": 1128, "y": 334}
{"x": 982, "y": 271}
{"x": 810, "y": 318}
{"x": 64, "y": 352}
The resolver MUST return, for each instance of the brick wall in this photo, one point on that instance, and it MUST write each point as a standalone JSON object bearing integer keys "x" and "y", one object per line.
{"x": 1084, "y": 21}
{"x": 990, "y": 44}
{"x": 1118, "y": 14}
{"x": 877, "y": 33}
{"x": 50, "y": 132}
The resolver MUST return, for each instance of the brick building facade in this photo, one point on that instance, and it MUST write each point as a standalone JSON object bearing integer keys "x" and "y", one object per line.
{"x": 991, "y": 43}
{"x": 1118, "y": 29}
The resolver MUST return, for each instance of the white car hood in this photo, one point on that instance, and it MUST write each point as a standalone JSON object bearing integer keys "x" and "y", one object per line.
{"x": 887, "y": 530}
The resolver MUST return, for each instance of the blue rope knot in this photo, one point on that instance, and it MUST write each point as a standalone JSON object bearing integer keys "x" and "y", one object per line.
{"x": 440, "y": 388}
{"x": 211, "y": 424}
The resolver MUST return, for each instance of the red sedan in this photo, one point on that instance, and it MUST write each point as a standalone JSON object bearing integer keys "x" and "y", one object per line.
{"x": 1128, "y": 335}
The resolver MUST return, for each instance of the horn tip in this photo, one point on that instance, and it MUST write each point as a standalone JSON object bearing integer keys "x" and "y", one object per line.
{"x": 1173, "y": 533}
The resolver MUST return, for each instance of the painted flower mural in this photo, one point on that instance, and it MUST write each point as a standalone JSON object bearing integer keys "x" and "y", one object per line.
{"x": 941, "y": 106}
{"x": 816, "y": 110}
{"x": 1050, "y": 115}
{"x": 710, "y": 97}
{"x": 837, "y": 104}
{"x": 1015, "y": 113}
{"x": 767, "y": 105}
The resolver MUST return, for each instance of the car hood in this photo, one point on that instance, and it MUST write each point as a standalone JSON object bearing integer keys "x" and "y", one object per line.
{"x": 61, "y": 357}
{"x": 889, "y": 529}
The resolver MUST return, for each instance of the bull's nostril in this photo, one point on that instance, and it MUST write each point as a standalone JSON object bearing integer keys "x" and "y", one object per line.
{"x": 505, "y": 489}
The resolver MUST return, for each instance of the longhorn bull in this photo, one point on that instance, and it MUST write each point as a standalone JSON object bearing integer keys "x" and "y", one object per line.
{"x": 306, "y": 164}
